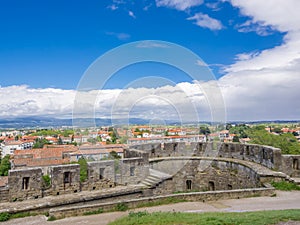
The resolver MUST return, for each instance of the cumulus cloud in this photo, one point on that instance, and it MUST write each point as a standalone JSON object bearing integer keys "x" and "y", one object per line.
{"x": 204, "y": 20}
{"x": 19, "y": 101}
{"x": 180, "y": 102}
{"x": 178, "y": 4}
{"x": 264, "y": 85}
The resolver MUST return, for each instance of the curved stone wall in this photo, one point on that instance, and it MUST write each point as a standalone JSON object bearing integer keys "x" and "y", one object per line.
{"x": 199, "y": 174}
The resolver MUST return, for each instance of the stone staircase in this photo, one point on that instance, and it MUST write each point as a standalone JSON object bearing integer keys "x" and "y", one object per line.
{"x": 155, "y": 178}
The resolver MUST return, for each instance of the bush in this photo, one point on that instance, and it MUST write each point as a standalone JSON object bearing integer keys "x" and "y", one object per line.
{"x": 46, "y": 180}
{"x": 4, "y": 217}
{"x": 5, "y": 166}
{"x": 51, "y": 218}
{"x": 121, "y": 207}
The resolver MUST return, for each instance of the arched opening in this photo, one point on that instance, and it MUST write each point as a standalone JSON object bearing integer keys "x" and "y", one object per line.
{"x": 211, "y": 186}
{"x": 188, "y": 185}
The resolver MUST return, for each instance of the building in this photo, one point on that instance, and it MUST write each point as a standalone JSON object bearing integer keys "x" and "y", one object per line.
{"x": 167, "y": 139}
{"x": 49, "y": 155}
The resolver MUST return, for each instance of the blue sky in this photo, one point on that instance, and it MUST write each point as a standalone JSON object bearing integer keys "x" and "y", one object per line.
{"x": 251, "y": 46}
{"x": 51, "y": 43}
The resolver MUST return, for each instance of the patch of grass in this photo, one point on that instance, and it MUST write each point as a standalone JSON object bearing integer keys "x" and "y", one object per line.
{"x": 21, "y": 215}
{"x": 8, "y": 216}
{"x": 285, "y": 186}
{"x": 51, "y": 218}
{"x": 98, "y": 211}
{"x": 121, "y": 207}
{"x": 246, "y": 218}
{"x": 165, "y": 201}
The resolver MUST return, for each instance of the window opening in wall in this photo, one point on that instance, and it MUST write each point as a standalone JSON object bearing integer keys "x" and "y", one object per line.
{"x": 211, "y": 186}
{"x": 132, "y": 171}
{"x": 229, "y": 187}
{"x": 25, "y": 183}
{"x": 189, "y": 185}
{"x": 67, "y": 177}
{"x": 295, "y": 164}
{"x": 175, "y": 146}
{"x": 101, "y": 173}
{"x": 247, "y": 150}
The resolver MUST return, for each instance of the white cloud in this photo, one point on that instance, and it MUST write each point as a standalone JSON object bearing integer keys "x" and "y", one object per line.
{"x": 250, "y": 26}
{"x": 264, "y": 85}
{"x": 120, "y": 36}
{"x": 167, "y": 102}
{"x": 204, "y": 20}
{"x": 112, "y": 7}
{"x": 178, "y": 4}
{"x": 282, "y": 15}
{"x": 19, "y": 101}
{"x": 131, "y": 14}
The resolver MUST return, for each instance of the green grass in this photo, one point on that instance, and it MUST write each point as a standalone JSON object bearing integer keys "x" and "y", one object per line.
{"x": 121, "y": 207}
{"x": 285, "y": 186}
{"x": 8, "y": 216}
{"x": 51, "y": 218}
{"x": 98, "y": 211}
{"x": 246, "y": 218}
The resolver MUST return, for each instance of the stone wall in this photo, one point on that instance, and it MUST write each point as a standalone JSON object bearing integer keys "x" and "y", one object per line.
{"x": 25, "y": 184}
{"x": 64, "y": 179}
{"x": 204, "y": 175}
{"x": 4, "y": 194}
{"x": 133, "y": 170}
{"x": 264, "y": 155}
{"x": 101, "y": 174}
{"x": 291, "y": 165}
{"x": 138, "y": 202}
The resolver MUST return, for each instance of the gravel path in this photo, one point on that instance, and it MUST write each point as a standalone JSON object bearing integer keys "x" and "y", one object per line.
{"x": 283, "y": 200}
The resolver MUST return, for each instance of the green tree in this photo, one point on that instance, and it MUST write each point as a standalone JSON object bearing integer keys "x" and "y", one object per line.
{"x": 236, "y": 139}
{"x": 204, "y": 130}
{"x": 60, "y": 142}
{"x": 39, "y": 143}
{"x": 114, "y": 155}
{"x": 286, "y": 142}
{"x": 5, "y": 166}
{"x": 83, "y": 169}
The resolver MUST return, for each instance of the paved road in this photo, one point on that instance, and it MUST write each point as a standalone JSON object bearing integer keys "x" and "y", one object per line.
{"x": 283, "y": 200}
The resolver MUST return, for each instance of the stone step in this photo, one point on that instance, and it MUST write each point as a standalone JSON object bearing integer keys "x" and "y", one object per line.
{"x": 153, "y": 179}
{"x": 148, "y": 184}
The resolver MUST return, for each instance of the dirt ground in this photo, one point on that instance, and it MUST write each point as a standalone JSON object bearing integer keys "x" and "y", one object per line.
{"x": 283, "y": 200}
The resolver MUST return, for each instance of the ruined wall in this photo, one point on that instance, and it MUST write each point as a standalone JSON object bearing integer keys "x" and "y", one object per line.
{"x": 265, "y": 155}
{"x": 204, "y": 175}
{"x": 291, "y": 165}
{"x": 64, "y": 179}
{"x": 101, "y": 174}
{"x": 132, "y": 170}
{"x": 25, "y": 184}
{"x": 4, "y": 194}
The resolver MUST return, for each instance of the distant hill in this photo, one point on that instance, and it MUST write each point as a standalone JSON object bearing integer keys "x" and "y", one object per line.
{"x": 46, "y": 122}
